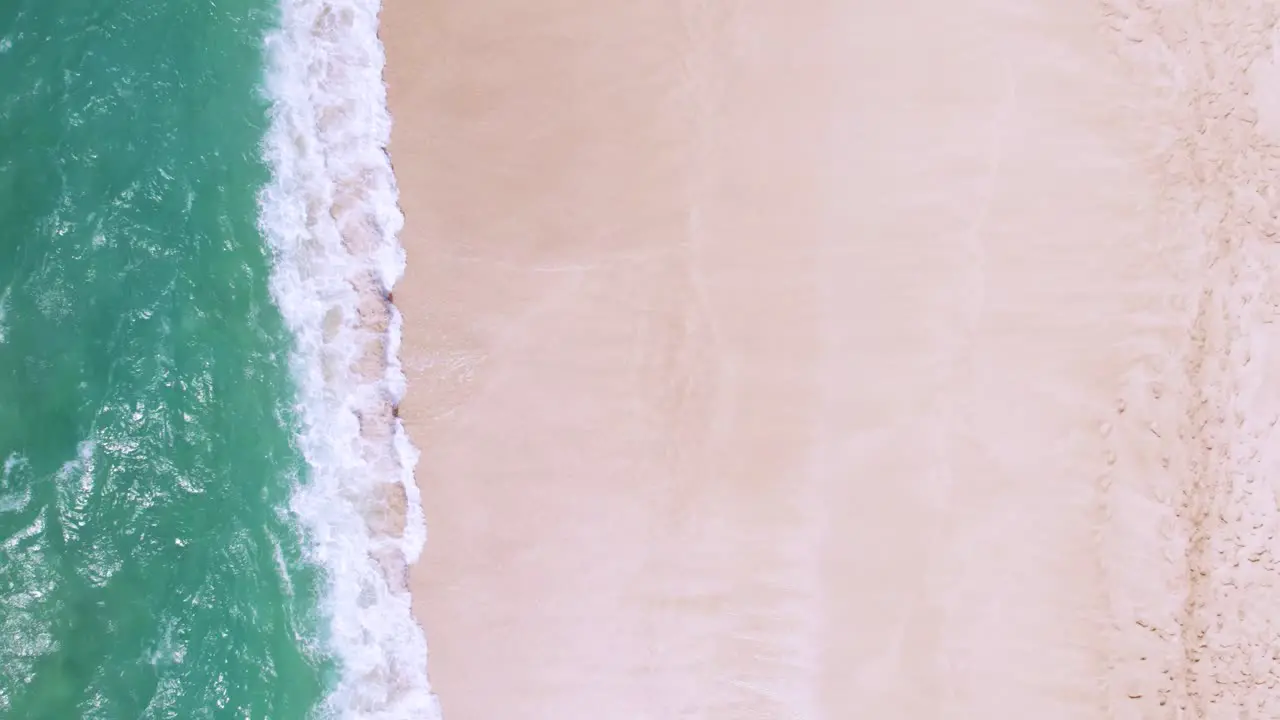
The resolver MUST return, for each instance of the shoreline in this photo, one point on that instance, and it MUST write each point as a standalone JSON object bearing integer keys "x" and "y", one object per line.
{"x": 772, "y": 362}
{"x": 330, "y": 215}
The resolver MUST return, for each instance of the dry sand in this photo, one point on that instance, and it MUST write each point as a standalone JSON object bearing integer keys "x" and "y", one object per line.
{"x": 824, "y": 360}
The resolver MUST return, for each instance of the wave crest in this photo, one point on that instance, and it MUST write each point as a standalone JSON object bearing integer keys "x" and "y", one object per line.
{"x": 330, "y": 213}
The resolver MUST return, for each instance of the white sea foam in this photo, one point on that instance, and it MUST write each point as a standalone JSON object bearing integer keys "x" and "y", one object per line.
{"x": 4, "y": 311}
{"x": 15, "y": 495}
{"x": 331, "y": 215}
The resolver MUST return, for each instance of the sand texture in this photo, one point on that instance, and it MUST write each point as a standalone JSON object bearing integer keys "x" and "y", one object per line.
{"x": 836, "y": 360}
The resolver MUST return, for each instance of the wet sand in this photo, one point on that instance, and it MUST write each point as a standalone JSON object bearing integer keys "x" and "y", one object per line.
{"x": 842, "y": 360}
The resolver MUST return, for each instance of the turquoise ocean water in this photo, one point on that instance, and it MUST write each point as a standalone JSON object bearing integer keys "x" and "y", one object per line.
{"x": 171, "y": 531}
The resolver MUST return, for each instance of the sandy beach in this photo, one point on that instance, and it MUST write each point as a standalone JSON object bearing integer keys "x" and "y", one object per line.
{"x": 836, "y": 360}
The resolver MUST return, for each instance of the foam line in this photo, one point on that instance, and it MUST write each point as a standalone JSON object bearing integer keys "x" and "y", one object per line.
{"x": 331, "y": 216}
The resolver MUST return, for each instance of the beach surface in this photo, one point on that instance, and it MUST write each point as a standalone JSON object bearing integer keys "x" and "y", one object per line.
{"x": 842, "y": 360}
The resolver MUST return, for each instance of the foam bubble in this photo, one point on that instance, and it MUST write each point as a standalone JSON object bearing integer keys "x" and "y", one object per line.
{"x": 15, "y": 491}
{"x": 331, "y": 215}
{"x": 4, "y": 311}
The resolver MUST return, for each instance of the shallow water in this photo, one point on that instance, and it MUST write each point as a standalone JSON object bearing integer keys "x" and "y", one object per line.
{"x": 150, "y": 568}
{"x": 167, "y": 518}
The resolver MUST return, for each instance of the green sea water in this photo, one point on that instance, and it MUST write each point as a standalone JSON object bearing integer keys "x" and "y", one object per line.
{"x": 149, "y": 565}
